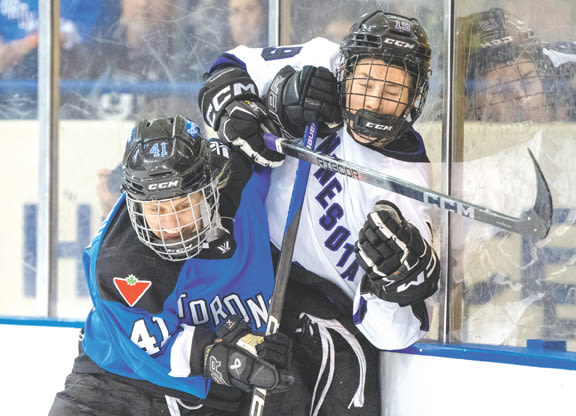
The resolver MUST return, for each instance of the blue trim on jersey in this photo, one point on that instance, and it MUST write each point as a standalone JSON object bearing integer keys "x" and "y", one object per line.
{"x": 360, "y": 313}
{"x": 210, "y": 290}
{"x": 225, "y": 60}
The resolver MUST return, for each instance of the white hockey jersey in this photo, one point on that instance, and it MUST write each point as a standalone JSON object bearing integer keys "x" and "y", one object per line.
{"x": 336, "y": 206}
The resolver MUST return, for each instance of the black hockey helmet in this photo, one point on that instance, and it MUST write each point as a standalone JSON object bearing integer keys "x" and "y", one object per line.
{"x": 382, "y": 33}
{"x": 165, "y": 158}
{"x": 171, "y": 193}
{"x": 400, "y": 42}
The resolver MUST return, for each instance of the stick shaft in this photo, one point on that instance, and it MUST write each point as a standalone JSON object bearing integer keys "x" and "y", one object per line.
{"x": 287, "y": 250}
{"x": 535, "y": 223}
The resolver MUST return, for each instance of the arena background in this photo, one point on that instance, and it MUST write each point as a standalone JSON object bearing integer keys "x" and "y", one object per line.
{"x": 504, "y": 329}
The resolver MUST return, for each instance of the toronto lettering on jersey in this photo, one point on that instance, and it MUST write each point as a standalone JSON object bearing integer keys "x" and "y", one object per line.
{"x": 217, "y": 310}
{"x": 152, "y": 334}
{"x": 339, "y": 240}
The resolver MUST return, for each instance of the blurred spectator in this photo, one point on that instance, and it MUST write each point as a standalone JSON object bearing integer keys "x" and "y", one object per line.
{"x": 339, "y": 20}
{"x": 11, "y": 53}
{"x": 336, "y": 29}
{"x": 222, "y": 24}
{"x": 19, "y": 49}
{"x": 331, "y": 19}
{"x": 246, "y": 19}
{"x": 147, "y": 42}
{"x": 19, "y": 34}
{"x": 162, "y": 41}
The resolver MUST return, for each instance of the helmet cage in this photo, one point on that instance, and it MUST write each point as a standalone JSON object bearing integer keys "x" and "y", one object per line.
{"x": 374, "y": 127}
{"x": 190, "y": 219}
{"x": 171, "y": 194}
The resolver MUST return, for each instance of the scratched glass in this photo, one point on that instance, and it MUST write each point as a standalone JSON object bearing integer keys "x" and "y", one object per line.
{"x": 134, "y": 60}
{"x": 504, "y": 288}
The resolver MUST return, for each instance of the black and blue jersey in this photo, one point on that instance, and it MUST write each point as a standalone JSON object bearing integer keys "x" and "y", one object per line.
{"x": 151, "y": 316}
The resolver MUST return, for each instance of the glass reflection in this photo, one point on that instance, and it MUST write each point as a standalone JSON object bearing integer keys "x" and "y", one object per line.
{"x": 509, "y": 288}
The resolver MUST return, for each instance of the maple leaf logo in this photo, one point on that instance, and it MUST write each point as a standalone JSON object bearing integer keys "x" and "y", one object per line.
{"x": 131, "y": 288}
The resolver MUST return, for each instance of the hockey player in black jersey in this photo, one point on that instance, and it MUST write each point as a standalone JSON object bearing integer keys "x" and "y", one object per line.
{"x": 180, "y": 276}
{"x": 363, "y": 266}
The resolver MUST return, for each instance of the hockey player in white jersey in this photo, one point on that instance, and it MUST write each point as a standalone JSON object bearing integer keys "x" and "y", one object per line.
{"x": 363, "y": 265}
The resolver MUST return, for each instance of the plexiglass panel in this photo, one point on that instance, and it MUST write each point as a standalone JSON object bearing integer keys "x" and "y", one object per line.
{"x": 121, "y": 61}
{"x": 515, "y": 70}
{"x": 514, "y": 74}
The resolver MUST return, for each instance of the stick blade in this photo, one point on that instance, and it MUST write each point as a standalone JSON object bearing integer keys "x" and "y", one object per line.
{"x": 542, "y": 211}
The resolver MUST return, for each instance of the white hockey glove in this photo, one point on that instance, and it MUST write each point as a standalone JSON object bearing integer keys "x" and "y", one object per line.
{"x": 230, "y": 105}
{"x": 296, "y": 98}
{"x": 246, "y": 359}
{"x": 400, "y": 265}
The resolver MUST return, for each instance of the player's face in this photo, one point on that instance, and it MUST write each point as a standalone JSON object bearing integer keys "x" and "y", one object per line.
{"x": 379, "y": 88}
{"x": 175, "y": 219}
{"x": 510, "y": 92}
{"x": 245, "y": 21}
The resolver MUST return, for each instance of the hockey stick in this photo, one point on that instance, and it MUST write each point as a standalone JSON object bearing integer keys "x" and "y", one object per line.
{"x": 535, "y": 223}
{"x": 286, "y": 252}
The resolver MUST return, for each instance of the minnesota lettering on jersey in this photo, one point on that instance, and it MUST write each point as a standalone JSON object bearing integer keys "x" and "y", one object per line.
{"x": 339, "y": 240}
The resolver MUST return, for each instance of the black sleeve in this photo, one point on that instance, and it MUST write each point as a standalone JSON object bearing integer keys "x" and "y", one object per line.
{"x": 235, "y": 170}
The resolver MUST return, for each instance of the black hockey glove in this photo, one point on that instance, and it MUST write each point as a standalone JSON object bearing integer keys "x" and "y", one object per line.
{"x": 220, "y": 89}
{"x": 230, "y": 105}
{"x": 242, "y": 125}
{"x": 296, "y": 98}
{"x": 246, "y": 359}
{"x": 400, "y": 265}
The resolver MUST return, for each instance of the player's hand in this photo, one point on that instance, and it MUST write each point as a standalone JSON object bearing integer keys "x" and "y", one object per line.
{"x": 220, "y": 89}
{"x": 400, "y": 265}
{"x": 242, "y": 125}
{"x": 297, "y": 98}
{"x": 230, "y": 105}
{"x": 245, "y": 359}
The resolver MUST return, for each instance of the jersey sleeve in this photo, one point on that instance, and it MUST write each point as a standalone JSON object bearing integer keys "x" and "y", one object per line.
{"x": 234, "y": 170}
{"x": 264, "y": 63}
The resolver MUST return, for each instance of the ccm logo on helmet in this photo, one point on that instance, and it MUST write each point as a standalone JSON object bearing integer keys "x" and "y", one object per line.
{"x": 399, "y": 43}
{"x": 163, "y": 185}
{"x": 376, "y": 126}
{"x": 224, "y": 96}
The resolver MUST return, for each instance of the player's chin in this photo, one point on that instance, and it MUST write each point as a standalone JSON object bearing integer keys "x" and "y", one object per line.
{"x": 184, "y": 235}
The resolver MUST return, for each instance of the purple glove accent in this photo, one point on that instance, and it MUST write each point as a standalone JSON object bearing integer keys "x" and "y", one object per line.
{"x": 270, "y": 141}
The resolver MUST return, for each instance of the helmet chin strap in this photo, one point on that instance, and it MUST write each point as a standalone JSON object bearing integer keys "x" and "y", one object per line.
{"x": 379, "y": 129}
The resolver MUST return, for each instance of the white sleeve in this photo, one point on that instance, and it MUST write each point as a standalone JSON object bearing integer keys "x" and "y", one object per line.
{"x": 264, "y": 63}
{"x": 387, "y": 325}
